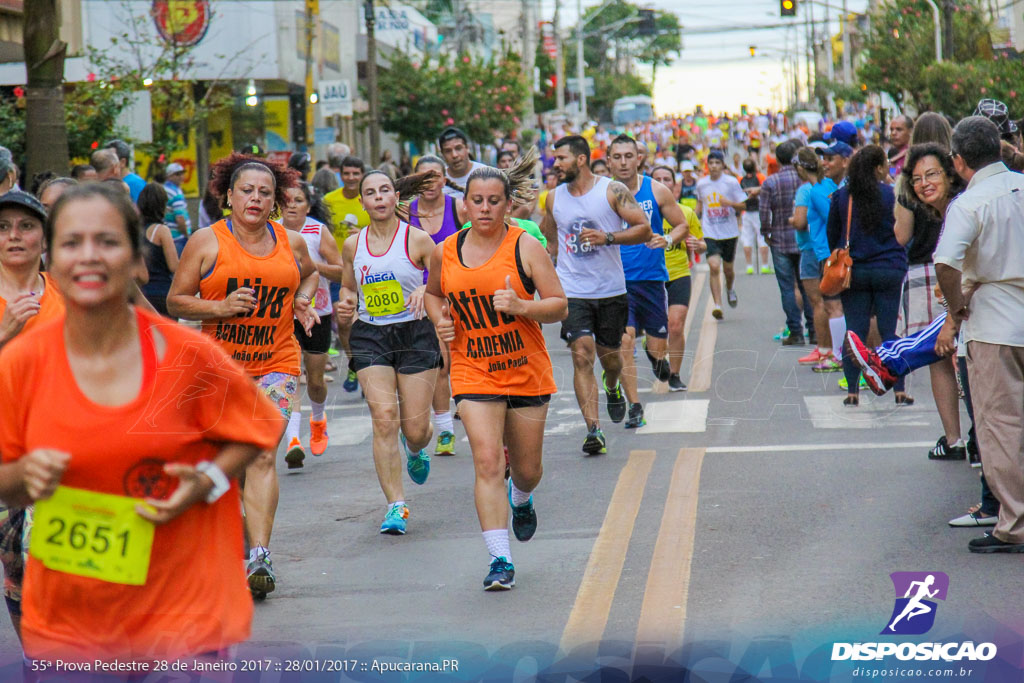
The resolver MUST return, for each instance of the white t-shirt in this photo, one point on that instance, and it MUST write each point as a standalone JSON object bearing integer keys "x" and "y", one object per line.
{"x": 461, "y": 180}
{"x": 717, "y": 221}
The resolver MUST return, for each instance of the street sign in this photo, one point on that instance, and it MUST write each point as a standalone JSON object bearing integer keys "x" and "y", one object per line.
{"x": 335, "y": 98}
{"x": 573, "y": 85}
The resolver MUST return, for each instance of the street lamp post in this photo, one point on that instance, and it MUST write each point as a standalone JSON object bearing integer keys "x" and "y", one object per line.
{"x": 371, "y": 80}
{"x": 937, "y": 18}
{"x": 579, "y": 63}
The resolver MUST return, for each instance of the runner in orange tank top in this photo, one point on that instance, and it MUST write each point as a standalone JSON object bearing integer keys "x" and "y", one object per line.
{"x": 28, "y": 298}
{"x": 95, "y": 430}
{"x": 252, "y": 276}
{"x": 481, "y": 297}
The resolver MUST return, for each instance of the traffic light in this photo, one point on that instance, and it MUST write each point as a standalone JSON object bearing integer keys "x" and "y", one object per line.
{"x": 787, "y": 8}
{"x": 753, "y": 50}
{"x": 647, "y": 26}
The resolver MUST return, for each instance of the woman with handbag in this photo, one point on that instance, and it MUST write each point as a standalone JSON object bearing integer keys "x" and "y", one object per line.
{"x": 861, "y": 219}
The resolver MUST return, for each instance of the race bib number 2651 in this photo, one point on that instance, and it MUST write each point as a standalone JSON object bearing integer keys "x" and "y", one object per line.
{"x": 96, "y": 535}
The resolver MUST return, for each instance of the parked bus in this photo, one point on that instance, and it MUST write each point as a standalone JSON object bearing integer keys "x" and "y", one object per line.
{"x": 632, "y": 109}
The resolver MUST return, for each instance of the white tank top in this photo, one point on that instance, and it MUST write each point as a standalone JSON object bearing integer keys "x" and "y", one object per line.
{"x": 312, "y": 232}
{"x": 587, "y": 272}
{"x": 386, "y": 280}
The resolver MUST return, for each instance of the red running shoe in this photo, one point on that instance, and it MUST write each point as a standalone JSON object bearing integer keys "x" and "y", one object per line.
{"x": 879, "y": 378}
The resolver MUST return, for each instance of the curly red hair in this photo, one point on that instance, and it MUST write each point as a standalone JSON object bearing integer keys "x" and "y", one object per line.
{"x": 225, "y": 172}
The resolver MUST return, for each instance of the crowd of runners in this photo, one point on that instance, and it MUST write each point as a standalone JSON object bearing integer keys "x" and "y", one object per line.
{"x": 158, "y": 368}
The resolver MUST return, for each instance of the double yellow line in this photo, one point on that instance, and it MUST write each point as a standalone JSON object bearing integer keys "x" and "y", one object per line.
{"x": 663, "y": 612}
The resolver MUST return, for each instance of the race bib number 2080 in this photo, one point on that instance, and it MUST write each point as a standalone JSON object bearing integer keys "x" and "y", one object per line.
{"x": 96, "y": 535}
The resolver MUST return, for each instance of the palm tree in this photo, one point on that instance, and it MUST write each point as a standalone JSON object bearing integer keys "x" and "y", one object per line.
{"x": 46, "y": 134}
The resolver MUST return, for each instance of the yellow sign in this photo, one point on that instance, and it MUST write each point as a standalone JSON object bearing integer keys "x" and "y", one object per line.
{"x": 383, "y": 298}
{"x": 96, "y": 535}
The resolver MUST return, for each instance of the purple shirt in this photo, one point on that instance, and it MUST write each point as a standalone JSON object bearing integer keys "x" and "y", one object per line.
{"x": 448, "y": 225}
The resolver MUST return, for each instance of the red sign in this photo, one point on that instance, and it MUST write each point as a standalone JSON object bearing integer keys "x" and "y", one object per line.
{"x": 182, "y": 22}
{"x": 547, "y": 32}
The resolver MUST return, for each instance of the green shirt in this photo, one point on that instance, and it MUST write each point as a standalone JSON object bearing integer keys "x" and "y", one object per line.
{"x": 527, "y": 225}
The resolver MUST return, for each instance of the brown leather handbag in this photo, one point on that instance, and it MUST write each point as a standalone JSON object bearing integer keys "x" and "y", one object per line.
{"x": 835, "y": 278}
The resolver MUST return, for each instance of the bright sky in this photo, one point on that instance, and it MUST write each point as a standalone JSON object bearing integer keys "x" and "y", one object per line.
{"x": 716, "y": 69}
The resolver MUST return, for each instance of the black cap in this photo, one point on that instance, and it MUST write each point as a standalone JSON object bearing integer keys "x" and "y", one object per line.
{"x": 450, "y": 133}
{"x": 25, "y": 201}
{"x": 716, "y": 154}
{"x": 299, "y": 161}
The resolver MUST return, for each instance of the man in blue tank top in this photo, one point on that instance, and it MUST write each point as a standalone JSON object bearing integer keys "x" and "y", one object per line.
{"x": 646, "y": 273}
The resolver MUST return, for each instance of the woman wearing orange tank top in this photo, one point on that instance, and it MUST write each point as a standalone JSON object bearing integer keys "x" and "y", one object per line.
{"x": 252, "y": 275}
{"x": 28, "y": 298}
{"x": 95, "y": 431}
{"x": 481, "y": 297}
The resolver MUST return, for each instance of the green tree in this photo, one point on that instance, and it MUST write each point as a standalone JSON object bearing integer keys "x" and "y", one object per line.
{"x": 901, "y": 43}
{"x": 955, "y": 89}
{"x": 419, "y": 98}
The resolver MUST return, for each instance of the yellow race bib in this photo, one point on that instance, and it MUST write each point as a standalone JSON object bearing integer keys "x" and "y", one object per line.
{"x": 383, "y": 298}
{"x": 96, "y": 535}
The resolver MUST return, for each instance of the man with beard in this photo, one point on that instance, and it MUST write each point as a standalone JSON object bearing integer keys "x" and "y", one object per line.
{"x": 586, "y": 219}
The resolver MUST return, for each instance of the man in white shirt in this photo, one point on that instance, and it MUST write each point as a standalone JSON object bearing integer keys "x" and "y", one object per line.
{"x": 454, "y": 146}
{"x": 718, "y": 197}
{"x": 979, "y": 267}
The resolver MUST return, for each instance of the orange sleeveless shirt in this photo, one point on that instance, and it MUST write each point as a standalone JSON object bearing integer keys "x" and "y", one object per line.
{"x": 51, "y": 304}
{"x": 493, "y": 353}
{"x": 264, "y": 341}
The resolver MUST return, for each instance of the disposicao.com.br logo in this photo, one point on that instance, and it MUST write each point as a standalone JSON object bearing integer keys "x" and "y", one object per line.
{"x": 914, "y": 614}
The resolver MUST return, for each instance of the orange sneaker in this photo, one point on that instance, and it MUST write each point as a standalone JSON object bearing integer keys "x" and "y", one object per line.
{"x": 295, "y": 455}
{"x": 318, "y": 436}
{"x": 813, "y": 358}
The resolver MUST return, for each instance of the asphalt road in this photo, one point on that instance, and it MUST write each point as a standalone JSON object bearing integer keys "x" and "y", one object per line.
{"x": 755, "y": 519}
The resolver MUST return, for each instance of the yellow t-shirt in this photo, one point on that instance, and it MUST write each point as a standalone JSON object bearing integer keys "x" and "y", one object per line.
{"x": 542, "y": 201}
{"x": 341, "y": 206}
{"x": 677, "y": 259}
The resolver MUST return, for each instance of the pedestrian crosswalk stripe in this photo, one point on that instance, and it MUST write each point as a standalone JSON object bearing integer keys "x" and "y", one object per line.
{"x": 666, "y": 417}
{"x": 589, "y": 614}
{"x": 349, "y": 431}
{"x": 828, "y": 412}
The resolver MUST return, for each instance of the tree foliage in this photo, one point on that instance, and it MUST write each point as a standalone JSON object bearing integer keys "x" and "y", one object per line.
{"x": 901, "y": 43}
{"x": 419, "y": 98}
{"x": 612, "y": 39}
{"x": 955, "y": 89}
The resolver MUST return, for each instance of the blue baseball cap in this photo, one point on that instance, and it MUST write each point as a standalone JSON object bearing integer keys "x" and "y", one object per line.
{"x": 716, "y": 154}
{"x": 837, "y": 147}
{"x": 844, "y": 131}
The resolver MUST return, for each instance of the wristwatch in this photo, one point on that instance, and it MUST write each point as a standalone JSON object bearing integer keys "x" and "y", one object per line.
{"x": 609, "y": 238}
{"x": 221, "y": 483}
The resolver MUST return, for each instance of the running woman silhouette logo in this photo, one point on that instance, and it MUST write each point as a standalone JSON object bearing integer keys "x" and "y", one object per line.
{"x": 914, "y": 612}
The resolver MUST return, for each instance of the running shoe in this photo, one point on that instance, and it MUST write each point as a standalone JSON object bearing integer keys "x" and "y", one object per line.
{"x": 394, "y": 521}
{"x": 813, "y": 358}
{"x": 862, "y": 384}
{"x": 731, "y": 297}
{"x": 658, "y": 365}
{"x": 501, "y": 577}
{"x": 828, "y": 364}
{"x": 594, "y": 444}
{"x": 524, "y": 517}
{"x": 317, "y": 436}
{"x": 417, "y": 464}
{"x": 716, "y": 313}
{"x": 784, "y": 334}
{"x": 259, "y": 573}
{"x": 879, "y": 378}
{"x": 943, "y": 451}
{"x": 766, "y": 270}
{"x": 616, "y": 401}
{"x": 636, "y": 417}
{"x": 445, "y": 444}
{"x": 750, "y": 270}
{"x": 332, "y": 352}
{"x": 675, "y": 384}
{"x": 351, "y": 382}
{"x": 295, "y": 455}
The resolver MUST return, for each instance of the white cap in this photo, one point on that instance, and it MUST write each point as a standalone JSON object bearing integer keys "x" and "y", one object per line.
{"x": 351, "y": 219}
{"x": 687, "y": 166}
{"x": 174, "y": 167}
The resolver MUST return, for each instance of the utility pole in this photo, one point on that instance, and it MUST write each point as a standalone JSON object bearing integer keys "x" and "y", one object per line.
{"x": 559, "y": 62}
{"x": 947, "y": 21}
{"x": 312, "y": 11}
{"x": 830, "y": 67}
{"x": 847, "y": 76}
{"x": 579, "y": 63}
{"x": 811, "y": 61}
{"x": 528, "y": 29}
{"x": 371, "y": 81}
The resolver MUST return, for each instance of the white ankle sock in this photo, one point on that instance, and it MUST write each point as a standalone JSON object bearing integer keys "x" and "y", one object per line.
{"x": 519, "y": 497}
{"x": 822, "y": 351}
{"x": 397, "y": 503}
{"x": 318, "y": 411}
{"x": 443, "y": 422}
{"x": 497, "y": 543}
{"x": 838, "y": 328}
{"x": 294, "y": 423}
{"x": 256, "y": 551}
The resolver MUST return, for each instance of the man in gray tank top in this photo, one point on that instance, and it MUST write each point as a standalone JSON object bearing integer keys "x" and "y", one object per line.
{"x": 587, "y": 218}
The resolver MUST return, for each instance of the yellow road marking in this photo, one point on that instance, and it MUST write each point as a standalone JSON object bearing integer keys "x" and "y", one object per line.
{"x": 663, "y": 612}
{"x": 589, "y": 613}
{"x": 700, "y": 376}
